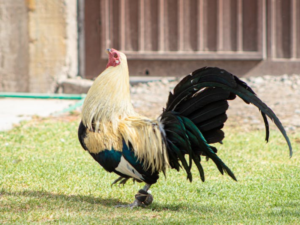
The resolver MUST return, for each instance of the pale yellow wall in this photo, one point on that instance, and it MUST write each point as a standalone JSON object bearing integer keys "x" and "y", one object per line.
{"x": 13, "y": 46}
{"x": 38, "y": 44}
{"x": 47, "y": 46}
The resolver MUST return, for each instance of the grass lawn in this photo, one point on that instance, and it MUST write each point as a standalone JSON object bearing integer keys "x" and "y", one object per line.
{"x": 46, "y": 177}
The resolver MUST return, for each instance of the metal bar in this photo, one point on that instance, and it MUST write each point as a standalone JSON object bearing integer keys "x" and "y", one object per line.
{"x": 200, "y": 25}
{"x": 105, "y": 27}
{"x": 81, "y": 41}
{"x": 240, "y": 25}
{"x": 220, "y": 26}
{"x": 294, "y": 29}
{"x": 273, "y": 28}
{"x": 181, "y": 25}
{"x": 142, "y": 26}
{"x": 122, "y": 25}
{"x": 262, "y": 29}
{"x": 161, "y": 38}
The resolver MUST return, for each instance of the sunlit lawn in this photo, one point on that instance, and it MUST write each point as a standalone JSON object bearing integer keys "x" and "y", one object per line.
{"x": 45, "y": 176}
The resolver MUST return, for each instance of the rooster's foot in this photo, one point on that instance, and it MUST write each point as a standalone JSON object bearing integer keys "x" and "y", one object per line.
{"x": 142, "y": 198}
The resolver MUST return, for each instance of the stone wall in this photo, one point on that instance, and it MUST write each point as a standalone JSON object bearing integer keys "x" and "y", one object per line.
{"x": 53, "y": 43}
{"x": 14, "y": 56}
{"x": 38, "y": 44}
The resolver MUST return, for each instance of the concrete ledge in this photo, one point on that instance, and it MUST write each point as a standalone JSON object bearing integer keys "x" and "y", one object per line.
{"x": 75, "y": 86}
{"x": 81, "y": 86}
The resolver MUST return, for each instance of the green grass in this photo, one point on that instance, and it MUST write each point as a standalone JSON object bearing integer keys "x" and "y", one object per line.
{"x": 45, "y": 177}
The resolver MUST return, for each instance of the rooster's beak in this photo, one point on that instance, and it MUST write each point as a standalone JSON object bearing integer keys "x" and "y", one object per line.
{"x": 108, "y": 50}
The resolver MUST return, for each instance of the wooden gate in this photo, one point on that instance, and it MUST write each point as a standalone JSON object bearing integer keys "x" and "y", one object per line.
{"x": 244, "y": 36}
{"x": 185, "y": 29}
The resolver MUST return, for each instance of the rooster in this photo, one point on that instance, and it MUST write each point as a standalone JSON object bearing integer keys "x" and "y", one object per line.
{"x": 137, "y": 147}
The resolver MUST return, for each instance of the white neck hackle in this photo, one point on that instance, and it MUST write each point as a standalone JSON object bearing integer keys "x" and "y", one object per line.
{"x": 108, "y": 100}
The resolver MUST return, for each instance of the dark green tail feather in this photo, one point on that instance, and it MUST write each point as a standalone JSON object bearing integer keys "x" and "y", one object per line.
{"x": 181, "y": 134}
{"x": 184, "y": 137}
{"x": 215, "y": 77}
{"x": 174, "y": 148}
{"x": 191, "y": 153}
{"x": 266, "y": 126}
{"x": 206, "y": 148}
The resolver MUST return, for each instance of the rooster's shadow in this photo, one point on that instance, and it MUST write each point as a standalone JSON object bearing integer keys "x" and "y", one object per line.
{"x": 107, "y": 202}
{"x": 67, "y": 198}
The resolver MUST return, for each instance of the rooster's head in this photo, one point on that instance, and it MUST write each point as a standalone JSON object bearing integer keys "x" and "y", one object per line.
{"x": 114, "y": 57}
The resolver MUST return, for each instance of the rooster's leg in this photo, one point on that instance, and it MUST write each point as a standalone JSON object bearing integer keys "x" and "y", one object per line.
{"x": 142, "y": 198}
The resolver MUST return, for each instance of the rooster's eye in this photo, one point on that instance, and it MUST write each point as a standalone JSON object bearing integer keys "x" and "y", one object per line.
{"x": 115, "y": 55}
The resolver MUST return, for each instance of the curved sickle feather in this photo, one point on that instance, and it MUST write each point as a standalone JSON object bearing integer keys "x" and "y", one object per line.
{"x": 215, "y": 77}
{"x": 248, "y": 96}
